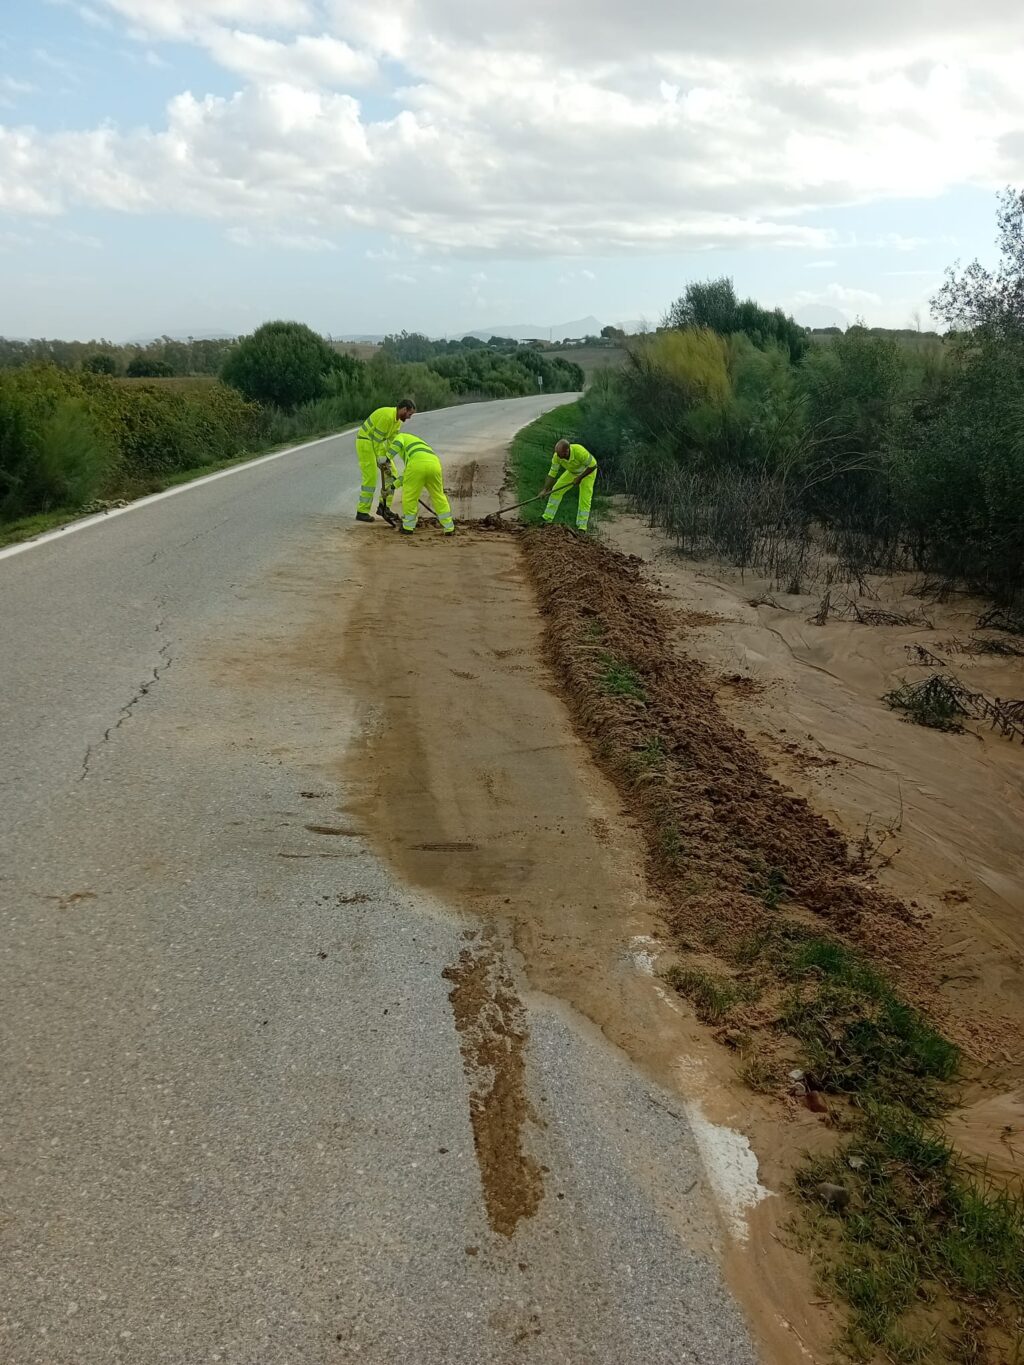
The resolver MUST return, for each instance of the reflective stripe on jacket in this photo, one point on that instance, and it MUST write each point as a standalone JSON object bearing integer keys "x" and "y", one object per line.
{"x": 406, "y": 445}
{"x": 380, "y": 427}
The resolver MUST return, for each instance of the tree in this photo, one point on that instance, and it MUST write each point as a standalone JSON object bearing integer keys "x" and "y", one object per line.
{"x": 613, "y": 334}
{"x": 410, "y": 346}
{"x": 147, "y": 366}
{"x": 101, "y": 362}
{"x": 713, "y": 304}
{"x": 282, "y": 363}
{"x": 978, "y": 297}
{"x": 706, "y": 303}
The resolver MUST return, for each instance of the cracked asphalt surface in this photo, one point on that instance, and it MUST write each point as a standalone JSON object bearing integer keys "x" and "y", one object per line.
{"x": 235, "y": 1123}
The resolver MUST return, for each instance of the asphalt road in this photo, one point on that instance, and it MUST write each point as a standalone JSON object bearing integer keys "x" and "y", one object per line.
{"x": 235, "y": 1122}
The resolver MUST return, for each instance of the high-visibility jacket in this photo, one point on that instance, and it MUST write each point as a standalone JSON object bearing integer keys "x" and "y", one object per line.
{"x": 406, "y": 445}
{"x": 380, "y": 429}
{"x": 577, "y": 462}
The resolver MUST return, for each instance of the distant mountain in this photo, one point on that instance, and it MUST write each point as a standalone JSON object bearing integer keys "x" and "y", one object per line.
{"x": 525, "y": 331}
{"x": 821, "y": 315}
{"x": 199, "y": 335}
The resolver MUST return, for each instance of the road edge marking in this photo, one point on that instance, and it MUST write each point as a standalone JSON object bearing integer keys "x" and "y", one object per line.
{"x": 82, "y": 523}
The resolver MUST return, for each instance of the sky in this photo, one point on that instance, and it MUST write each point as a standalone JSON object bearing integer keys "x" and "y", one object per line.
{"x": 199, "y": 166}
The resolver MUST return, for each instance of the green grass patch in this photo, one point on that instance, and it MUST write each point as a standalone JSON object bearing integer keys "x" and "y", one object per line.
{"x": 12, "y": 532}
{"x": 617, "y": 679}
{"x": 925, "y": 1252}
{"x": 857, "y": 1038}
{"x": 712, "y": 997}
{"x": 530, "y": 459}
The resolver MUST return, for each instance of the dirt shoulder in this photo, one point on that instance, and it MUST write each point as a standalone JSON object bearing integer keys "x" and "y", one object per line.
{"x": 581, "y": 756}
{"x": 474, "y": 784}
{"x": 940, "y": 816}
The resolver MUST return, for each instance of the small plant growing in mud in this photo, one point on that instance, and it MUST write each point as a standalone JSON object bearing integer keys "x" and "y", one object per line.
{"x": 768, "y": 884}
{"x": 761, "y": 1074}
{"x": 670, "y": 843}
{"x": 651, "y": 753}
{"x": 619, "y": 680}
{"x": 646, "y": 761}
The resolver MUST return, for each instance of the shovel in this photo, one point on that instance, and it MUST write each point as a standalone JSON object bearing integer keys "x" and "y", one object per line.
{"x": 494, "y": 517}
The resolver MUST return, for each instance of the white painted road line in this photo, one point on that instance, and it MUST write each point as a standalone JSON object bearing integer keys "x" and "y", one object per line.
{"x": 84, "y": 522}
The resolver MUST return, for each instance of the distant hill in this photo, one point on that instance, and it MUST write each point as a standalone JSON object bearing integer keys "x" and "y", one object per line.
{"x": 526, "y": 331}
{"x": 199, "y": 335}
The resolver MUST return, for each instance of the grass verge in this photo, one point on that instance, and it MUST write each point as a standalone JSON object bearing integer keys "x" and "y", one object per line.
{"x": 800, "y": 963}
{"x": 26, "y": 528}
{"x": 530, "y": 460}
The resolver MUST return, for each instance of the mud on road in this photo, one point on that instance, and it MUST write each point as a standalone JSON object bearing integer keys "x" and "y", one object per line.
{"x": 472, "y": 782}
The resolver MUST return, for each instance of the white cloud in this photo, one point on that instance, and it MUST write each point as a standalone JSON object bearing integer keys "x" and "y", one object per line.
{"x": 290, "y": 241}
{"x": 572, "y": 129}
{"x": 308, "y": 60}
{"x": 839, "y": 296}
{"x": 10, "y": 85}
{"x": 182, "y": 19}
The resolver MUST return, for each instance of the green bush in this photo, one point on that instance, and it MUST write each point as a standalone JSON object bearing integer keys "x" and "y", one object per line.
{"x": 67, "y": 437}
{"x": 101, "y": 362}
{"x": 283, "y": 364}
{"x": 147, "y": 367}
{"x": 55, "y": 451}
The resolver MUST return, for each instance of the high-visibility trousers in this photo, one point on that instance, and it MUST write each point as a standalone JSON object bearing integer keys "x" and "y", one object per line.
{"x": 368, "y": 467}
{"x": 562, "y": 484}
{"x": 367, "y": 455}
{"x": 424, "y": 472}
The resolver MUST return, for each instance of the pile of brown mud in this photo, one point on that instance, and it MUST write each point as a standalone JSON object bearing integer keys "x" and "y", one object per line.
{"x": 730, "y": 848}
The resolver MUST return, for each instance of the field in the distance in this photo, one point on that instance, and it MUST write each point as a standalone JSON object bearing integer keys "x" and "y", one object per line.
{"x": 592, "y": 358}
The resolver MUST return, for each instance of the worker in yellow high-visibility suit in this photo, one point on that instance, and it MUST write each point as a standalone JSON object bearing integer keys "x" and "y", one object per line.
{"x": 422, "y": 471}
{"x": 372, "y": 441}
{"x": 572, "y": 466}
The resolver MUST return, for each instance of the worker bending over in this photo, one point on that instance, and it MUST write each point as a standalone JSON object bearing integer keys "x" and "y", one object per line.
{"x": 572, "y": 466}
{"x": 422, "y": 471}
{"x": 373, "y": 440}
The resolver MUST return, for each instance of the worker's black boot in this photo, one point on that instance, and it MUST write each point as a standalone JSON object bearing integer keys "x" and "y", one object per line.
{"x": 364, "y": 516}
{"x": 383, "y": 510}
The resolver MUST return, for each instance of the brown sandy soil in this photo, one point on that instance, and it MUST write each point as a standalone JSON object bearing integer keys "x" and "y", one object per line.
{"x": 480, "y": 792}
{"x": 944, "y": 813}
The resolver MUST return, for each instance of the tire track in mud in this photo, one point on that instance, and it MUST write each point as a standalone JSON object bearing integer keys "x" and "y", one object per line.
{"x": 491, "y": 1023}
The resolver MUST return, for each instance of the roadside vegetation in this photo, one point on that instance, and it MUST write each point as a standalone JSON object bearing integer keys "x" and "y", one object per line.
{"x": 861, "y": 452}
{"x": 85, "y": 426}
